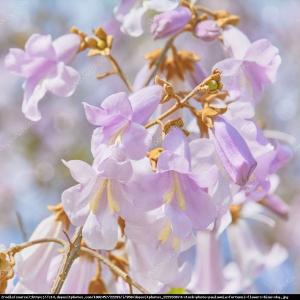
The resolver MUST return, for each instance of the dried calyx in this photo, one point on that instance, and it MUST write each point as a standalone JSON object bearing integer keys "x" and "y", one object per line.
{"x": 175, "y": 66}
{"x": 200, "y": 14}
{"x": 6, "y": 270}
{"x": 235, "y": 211}
{"x": 60, "y": 215}
{"x": 209, "y": 93}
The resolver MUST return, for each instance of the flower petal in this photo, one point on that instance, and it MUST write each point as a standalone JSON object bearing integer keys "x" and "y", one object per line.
{"x": 144, "y": 102}
{"x": 66, "y": 47}
{"x": 132, "y": 22}
{"x": 233, "y": 151}
{"x": 14, "y": 60}
{"x": 236, "y": 43}
{"x": 40, "y": 46}
{"x": 75, "y": 201}
{"x": 200, "y": 208}
{"x": 80, "y": 170}
{"x": 170, "y": 22}
{"x": 101, "y": 231}
{"x": 135, "y": 141}
{"x": 161, "y": 6}
{"x": 34, "y": 91}
{"x": 63, "y": 81}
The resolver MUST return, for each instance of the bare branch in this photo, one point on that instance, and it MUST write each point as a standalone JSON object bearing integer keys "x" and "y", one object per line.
{"x": 71, "y": 253}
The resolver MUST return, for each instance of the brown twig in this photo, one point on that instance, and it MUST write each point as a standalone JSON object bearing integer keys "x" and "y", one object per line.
{"x": 71, "y": 253}
{"x": 115, "y": 269}
{"x": 20, "y": 247}
{"x": 176, "y": 106}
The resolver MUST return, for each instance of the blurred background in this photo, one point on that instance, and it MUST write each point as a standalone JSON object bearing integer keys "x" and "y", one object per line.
{"x": 31, "y": 173}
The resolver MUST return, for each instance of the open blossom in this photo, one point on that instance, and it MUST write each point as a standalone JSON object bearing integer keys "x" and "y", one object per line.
{"x": 99, "y": 198}
{"x": 208, "y": 30}
{"x": 131, "y": 12}
{"x": 176, "y": 186}
{"x": 252, "y": 67}
{"x": 120, "y": 120}
{"x": 170, "y": 22}
{"x": 161, "y": 270}
{"x": 43, "y": 65}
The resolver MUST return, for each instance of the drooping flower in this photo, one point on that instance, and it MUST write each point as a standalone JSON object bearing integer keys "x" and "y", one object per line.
{"x": 120, "y": 120}
{"x": 130, "y": 13}
{"x": 99, "y": 198}
{"x": 160, "y": 271}
{"x": 35, "y": 280}
{"x": 252, "y": 67}
{"x": 170, "y": 22}
{"x": 43, "y": 64}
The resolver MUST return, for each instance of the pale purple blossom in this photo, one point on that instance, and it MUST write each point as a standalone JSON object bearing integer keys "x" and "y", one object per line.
{"x": 35, "y": 280}
{"x": 120, "y": 120}
{"x": 252, "y": 67}
{"x": 43, "y": 64}
{"x": 100, "y": 196}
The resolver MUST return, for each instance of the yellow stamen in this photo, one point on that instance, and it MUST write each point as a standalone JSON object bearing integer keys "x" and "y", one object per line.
{"x": 94, "y": 203}
{"x": 179, "y": 193}
{"x": 176, "y": 243}
{"x": 117, "y": 138}
{"x": 165, "y": 233}
{"x": 168, "y": 196}
{"x": 112, "y": 203}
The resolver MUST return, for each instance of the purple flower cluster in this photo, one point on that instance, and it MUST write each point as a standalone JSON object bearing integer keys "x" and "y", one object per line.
{"x": 175, "y": 164}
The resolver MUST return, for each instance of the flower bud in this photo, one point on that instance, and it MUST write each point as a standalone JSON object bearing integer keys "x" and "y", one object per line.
{"x": 170, "y": 22}
{"x": 207, "y": 30}
{"x": 233, "y": 151}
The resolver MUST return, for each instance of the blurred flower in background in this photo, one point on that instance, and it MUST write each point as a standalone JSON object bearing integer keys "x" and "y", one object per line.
{"x": 32, "y": 175}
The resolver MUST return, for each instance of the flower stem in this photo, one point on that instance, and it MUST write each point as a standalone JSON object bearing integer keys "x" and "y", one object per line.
{"x": 120, "y": 72}
{"x": 160, "y": 59}
{"x": 20, "y": 247}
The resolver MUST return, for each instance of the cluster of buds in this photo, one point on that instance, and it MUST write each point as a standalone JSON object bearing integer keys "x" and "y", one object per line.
{"x": 98, "y": 44}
